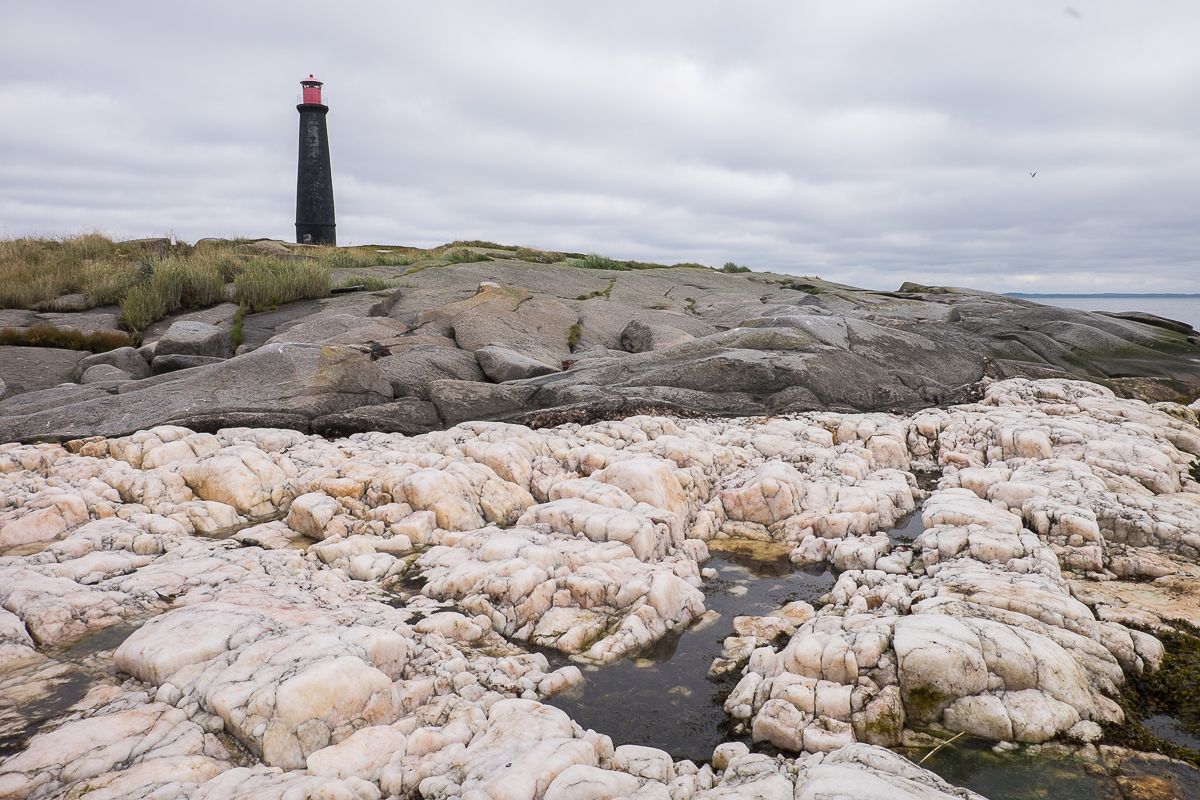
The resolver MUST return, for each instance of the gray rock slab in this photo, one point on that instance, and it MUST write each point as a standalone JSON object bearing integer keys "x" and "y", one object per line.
{"x": 412, "y": 369}
{"x": 509, "y": 316}
{"x": 194, "y": 338}
{"x": 219, "y": 315}
{"x": 28, "y": 369}
{"x": 172, "y": 362}
{"x": 640, "y": 337}
{"x": 104, "y": 373}
{"x": 303, "y": 381}
{"x": 408, "y": 415}
{"x": 460, "y": 401}
{"x": 128, "y": 359}
{"x": 501, "y": 364}
{"x": 52, "y": 398}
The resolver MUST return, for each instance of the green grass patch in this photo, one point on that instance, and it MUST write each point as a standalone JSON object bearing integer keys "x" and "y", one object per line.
{"x": 461, "y": 255}
{"x": 573, "y": 335}
{"x": 361, "y": 257}
{"x": 732, "y": 268}
{"x": 594, "y": 261}
{"x": 802, "y": 286}
{"x": 369, "y": 283}
{"x": 171, "y": 284}
{"x": 237, "y": 332}
{"x": 481, "y": 243}
{"x": 534, "y": 256}
{"x": 63, "y": 338}
{"x": 34, "y": 271}
{"x": 606, "y": 292}
{"x": 266, "y": 283}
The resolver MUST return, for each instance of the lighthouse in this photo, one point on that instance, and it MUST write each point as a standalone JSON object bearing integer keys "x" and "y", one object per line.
{"x": 314, "y": 179}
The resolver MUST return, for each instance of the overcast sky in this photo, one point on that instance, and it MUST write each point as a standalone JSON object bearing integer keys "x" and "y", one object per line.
{"x": 866, "y": 142}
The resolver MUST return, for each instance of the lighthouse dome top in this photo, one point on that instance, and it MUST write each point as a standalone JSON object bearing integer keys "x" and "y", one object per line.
{"x": 311, "y": 91}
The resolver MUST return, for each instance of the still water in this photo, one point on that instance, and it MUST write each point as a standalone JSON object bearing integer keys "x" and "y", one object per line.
{"x": 1185, "y": 308}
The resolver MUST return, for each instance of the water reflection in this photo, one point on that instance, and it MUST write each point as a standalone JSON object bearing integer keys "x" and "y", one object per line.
{"x": 663, "y": 697}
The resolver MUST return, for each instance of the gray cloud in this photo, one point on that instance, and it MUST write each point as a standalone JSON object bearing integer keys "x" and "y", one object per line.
{"x": 871, "y": 142}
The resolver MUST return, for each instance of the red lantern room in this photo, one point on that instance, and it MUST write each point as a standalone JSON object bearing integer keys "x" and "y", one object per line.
{"x": 312, "y": 91}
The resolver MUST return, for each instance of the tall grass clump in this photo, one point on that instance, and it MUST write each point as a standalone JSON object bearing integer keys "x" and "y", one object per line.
{"x": 106, "y": 282}
{"x": 534, "y": 256}
{"x": 461, "y": 255}
{"x": 167, "y": 285}
{"x": 63, "y": 338}
{"x": 265, "y": 282}
{"x": 34, "y": 271}
{"x": 732, "y": 268}
{"x": 366, "y": 283}
{"x": 593, "y": 261}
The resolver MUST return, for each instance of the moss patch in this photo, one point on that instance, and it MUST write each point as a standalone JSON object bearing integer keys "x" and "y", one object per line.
{"x": 1174, "y": 690}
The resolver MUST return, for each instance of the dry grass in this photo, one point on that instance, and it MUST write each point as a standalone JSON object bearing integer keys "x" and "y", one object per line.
{"x": 37, "y": 270}
{"x": 148, "y": 283}
{"x": 267, "y": 282}
{"x": 64, "y": 338}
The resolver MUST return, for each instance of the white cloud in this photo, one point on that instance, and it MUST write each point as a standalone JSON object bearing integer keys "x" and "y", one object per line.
{"x": 872, "y": 142}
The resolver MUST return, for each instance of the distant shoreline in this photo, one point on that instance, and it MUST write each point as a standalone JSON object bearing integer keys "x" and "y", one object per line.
{"x": 1100, "y": 294}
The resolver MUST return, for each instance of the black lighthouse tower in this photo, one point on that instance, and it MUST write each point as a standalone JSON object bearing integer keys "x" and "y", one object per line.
{"x": 314, "y": 179}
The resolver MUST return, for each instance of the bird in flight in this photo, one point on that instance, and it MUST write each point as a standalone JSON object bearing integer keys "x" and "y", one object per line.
{"x": 1033, "y": 174}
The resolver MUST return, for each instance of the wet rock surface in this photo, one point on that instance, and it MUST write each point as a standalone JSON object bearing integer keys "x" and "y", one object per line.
{"x": 470, "y": 613}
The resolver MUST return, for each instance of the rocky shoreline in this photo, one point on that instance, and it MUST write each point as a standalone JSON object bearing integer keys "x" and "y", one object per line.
{"x": 258, "y": 612}
{"x": 503, "y": 338}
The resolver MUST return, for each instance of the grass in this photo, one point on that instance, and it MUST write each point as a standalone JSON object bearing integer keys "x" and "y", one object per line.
{"x": 482, "y": 243}
{"x": 268, "y": 282}
{"x": 461, "y": 255}
{"x": 594, "y": 261}
{"x": 173, "y": 283}
{"x": 35, "y": 271}
{"x": 606, "y": 292}
{"x": 573, "y": 335}
{"x": 369, "y": 283}
{"x": 801, "y": 286}
{"x": 733, "y": 268}
{"x": 63, "y": 338}
{"x": 237, "y": 332}
{"x": 151, "y": 282}
{"x": 534, "y": 256}
{"x": 360, "y": 257}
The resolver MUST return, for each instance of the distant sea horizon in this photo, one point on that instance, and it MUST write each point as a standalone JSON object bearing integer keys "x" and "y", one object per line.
{"x": 1181, "y": 307}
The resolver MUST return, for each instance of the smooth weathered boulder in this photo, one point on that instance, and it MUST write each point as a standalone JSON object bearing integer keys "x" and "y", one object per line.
{"x": 171, "y": 362}
{"x": 458, "y": 401}
{"x": 501, "y": 364}
{"x": 287, "y": 382}
{"x": 639, "y": 337}
{"x": 194, "y": 338}
{"x": 411, "y": 370}
{"x": 104, "y": 373}
{"x": 128, "y": 359}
